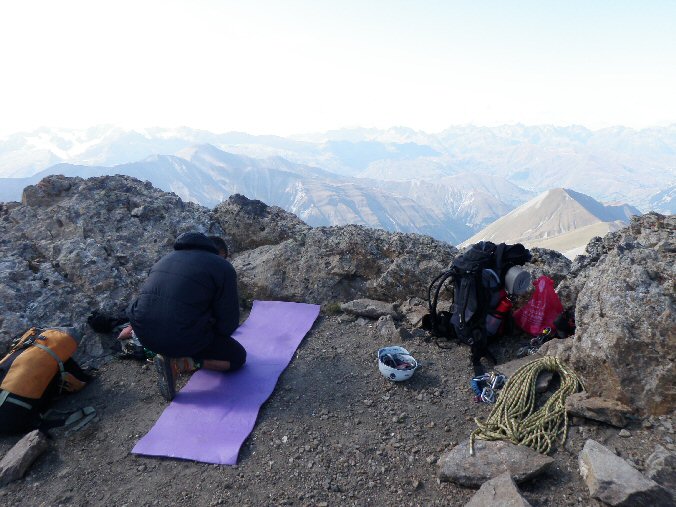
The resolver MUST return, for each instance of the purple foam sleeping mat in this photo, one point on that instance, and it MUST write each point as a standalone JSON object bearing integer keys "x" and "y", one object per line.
{"x": 210, "y": 418}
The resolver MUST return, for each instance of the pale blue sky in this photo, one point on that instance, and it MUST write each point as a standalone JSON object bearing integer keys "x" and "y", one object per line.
{"x": 289, "y": 66}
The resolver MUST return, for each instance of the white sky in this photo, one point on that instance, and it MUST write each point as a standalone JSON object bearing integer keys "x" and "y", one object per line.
{"x": 291, "y": 66}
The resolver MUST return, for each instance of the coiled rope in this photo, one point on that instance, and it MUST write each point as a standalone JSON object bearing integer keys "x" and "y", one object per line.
{"x": 513, "y": 418}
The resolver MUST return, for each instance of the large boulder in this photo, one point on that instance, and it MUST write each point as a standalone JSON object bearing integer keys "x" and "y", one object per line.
{"x": 251, "y": 223}
{"x": 339, "y": 264}
{"x": 626, "y": 331}
{"x": 74, "y": 246}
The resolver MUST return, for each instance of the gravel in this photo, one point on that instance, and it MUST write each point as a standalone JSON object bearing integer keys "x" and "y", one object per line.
{"x": 334, "y": 432}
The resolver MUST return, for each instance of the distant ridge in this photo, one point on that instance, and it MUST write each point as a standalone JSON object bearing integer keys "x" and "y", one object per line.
{"x": 207, "y": 175}
{"x": 560, "y": 219}
{"x": 616, "y": 164}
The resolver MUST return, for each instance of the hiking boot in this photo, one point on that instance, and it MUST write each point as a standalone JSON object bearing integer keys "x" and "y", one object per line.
{"x": 168, "y": 369}
{"x": 167, "y": 372}
{"x": 184, "y": 365}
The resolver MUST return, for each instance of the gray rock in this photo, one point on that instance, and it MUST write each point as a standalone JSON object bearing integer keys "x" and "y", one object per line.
{"x": 615, "y": 482}
{"x": 404, "y": 334}
{"x": 386, "y": 328}
{"x": 92, "y": 243}
{"x": 661, "y": 468}
{"x": 19, "y": 458}
{"x": 548, "y": 262}
{"x": 48, "y": 191}
{"x": 598, "y": 409}
{"x": 491, "y": 458}
{"x": 510, "y": 368}
{"x": 498, "y": 492}
{"x": 666, "y": 423}
{"x": 370, "y": 308}
{"x": 73, "y": 247}
{"x": 330, "y": 264}
{"x": 251, "y": 223}
{"x": 626, "y": 332}
{"x": 413, "y": 310}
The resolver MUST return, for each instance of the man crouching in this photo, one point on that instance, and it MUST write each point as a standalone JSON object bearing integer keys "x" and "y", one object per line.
{"x": 187, "y": 310}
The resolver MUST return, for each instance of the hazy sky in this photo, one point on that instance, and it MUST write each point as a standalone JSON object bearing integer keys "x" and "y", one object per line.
{"x": 290, "y": 66}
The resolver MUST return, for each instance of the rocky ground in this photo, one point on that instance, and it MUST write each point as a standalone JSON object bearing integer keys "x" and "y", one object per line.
{"x": 334, "y": 432}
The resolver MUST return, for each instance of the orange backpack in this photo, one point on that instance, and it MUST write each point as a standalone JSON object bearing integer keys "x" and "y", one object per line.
{"x": 34, "y": 361}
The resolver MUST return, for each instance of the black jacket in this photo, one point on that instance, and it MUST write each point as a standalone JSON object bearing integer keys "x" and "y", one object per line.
{"x": 189, "y": 298}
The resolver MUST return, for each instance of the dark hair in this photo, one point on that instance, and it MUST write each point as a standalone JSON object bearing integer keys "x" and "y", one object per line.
{"x": 219, "y": 244}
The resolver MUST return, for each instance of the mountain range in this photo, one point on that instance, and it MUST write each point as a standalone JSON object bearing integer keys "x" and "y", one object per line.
{"x": 448, "y": 185}
{"x": 449, "y": 209}
{"x": 615, "y": 164}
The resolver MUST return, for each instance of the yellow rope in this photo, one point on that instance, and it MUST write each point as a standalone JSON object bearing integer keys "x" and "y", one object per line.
{"x": 513, "y": 417}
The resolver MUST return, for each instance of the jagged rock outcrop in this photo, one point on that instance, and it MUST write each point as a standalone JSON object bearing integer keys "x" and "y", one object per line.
{"x": 339, "y": 264}
{"x": 651, "y": 230}
{"x": 74, "y": 246}
{"x": 626, "y": 332}
{"x": 250, "y": 223}
{"x": 548, "y": 262}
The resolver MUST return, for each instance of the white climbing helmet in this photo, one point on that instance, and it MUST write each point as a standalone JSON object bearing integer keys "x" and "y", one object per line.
{"x": 396, "y": 363}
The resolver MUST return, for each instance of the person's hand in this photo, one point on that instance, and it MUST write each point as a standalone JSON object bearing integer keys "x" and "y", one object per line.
{"x": 125, "y": 334}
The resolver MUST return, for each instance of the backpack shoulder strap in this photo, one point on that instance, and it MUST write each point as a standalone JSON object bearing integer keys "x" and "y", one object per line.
{"x": 432, "y": 303}
{"x": 23, "y": 342}
{"x": 499, "y": 252}
{"x": 464, "y": 294}
{"x": 62, "y": 370}
{"x": 6, "y": 397}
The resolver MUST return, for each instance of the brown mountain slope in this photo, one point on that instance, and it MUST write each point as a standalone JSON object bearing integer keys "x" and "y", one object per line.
{"x": 559, "y": 219}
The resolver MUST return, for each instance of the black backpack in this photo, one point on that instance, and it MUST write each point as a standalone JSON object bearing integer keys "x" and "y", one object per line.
{"x": 478, "y": 277}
